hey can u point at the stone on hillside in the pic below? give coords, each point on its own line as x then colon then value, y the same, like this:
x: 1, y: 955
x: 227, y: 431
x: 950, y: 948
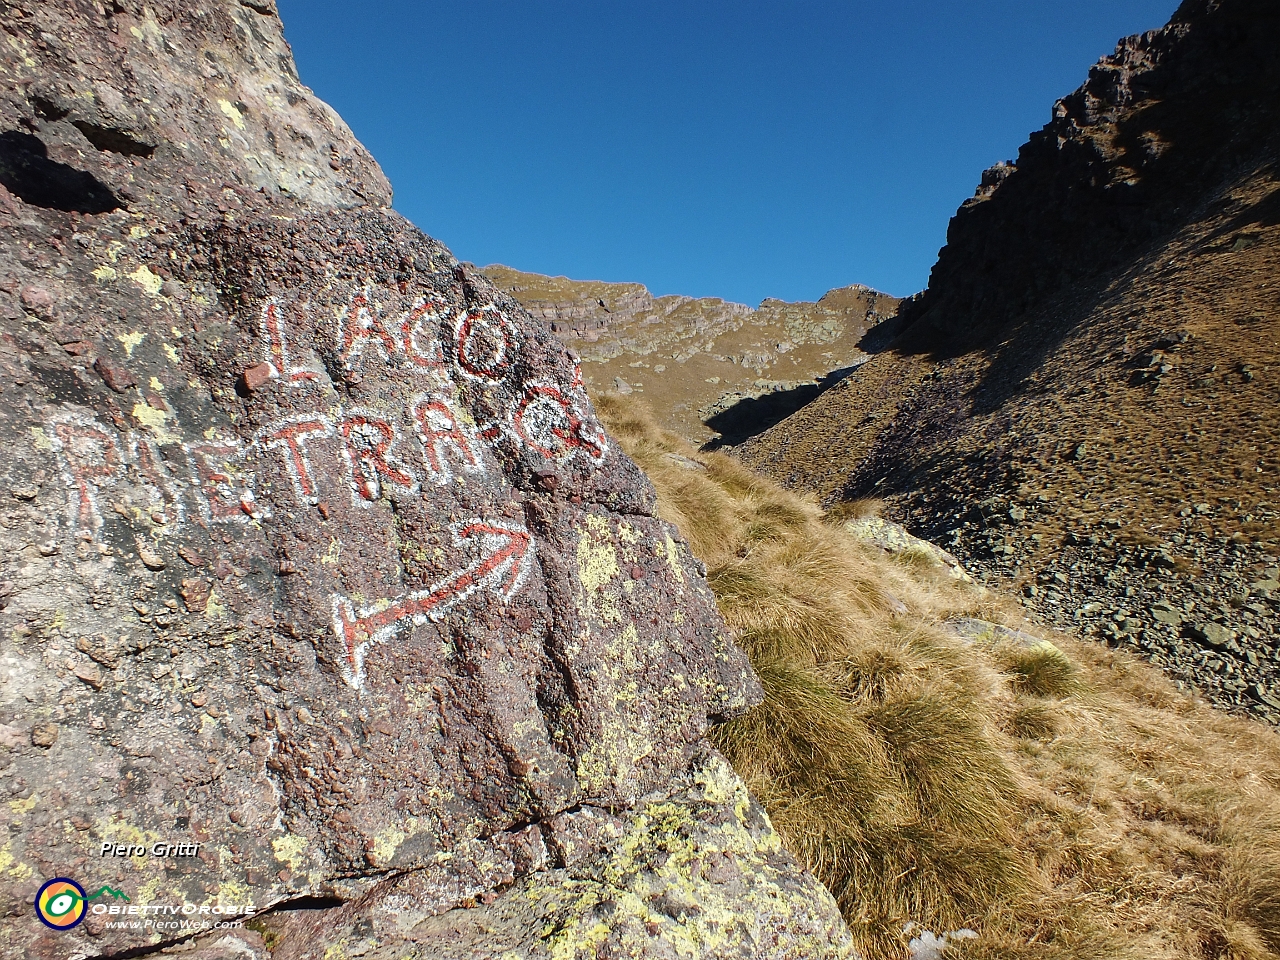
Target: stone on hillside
x: 894, y: 539
x: 256, y: 376
x: 1214, y: 635
x: 895, y: 605
x: 401, y: 632
x: 987, y: 634
x: 1265, y: 695
x: 929, y: 946
x: 686, y: 462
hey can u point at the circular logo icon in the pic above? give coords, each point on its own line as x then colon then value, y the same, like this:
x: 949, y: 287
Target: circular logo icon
x: 60, y: 903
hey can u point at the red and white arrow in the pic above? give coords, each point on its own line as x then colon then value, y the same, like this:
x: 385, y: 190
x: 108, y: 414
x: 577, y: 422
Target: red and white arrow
x: 506, y: 554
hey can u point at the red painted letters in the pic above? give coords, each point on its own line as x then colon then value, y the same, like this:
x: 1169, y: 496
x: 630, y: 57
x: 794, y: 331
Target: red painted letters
x: 369, y: 441
x: 291, y: 436
x: 90, y: 459
x: 440, y: 433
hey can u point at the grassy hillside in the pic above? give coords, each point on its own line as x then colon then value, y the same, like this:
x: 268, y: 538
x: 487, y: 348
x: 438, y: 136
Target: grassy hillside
x: 1084, y: 402
x: 1060, y: 800
x: 709, y: 369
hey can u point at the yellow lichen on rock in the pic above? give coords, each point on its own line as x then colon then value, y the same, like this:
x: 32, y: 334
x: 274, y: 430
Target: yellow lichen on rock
x: 232, y: 113
x: 288, y: 850
x: 700, y: 871
x: 150, y: 282
x: 598, y: 570
x: 616, y: 755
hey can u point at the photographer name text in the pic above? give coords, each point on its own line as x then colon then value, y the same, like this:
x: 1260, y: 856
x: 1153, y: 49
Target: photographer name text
x: 155, y: 850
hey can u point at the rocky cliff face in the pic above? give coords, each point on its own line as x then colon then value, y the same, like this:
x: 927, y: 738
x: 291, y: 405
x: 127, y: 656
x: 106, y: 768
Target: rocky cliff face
x: 714, y: 372
x: 1082, y: 403
x: 1156, y: 130
x: 323, y: 594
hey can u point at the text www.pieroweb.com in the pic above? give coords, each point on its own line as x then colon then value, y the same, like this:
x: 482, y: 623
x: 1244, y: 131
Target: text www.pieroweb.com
x: 170, y: 924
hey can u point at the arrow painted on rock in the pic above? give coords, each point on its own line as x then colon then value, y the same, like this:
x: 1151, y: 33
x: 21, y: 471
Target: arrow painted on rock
x: 506, y: 553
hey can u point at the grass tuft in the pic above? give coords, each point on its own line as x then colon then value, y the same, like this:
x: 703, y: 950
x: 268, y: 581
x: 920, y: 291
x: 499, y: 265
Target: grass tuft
x: 1033, y: 721
x: 1040, y: 671
x: 841, y: 513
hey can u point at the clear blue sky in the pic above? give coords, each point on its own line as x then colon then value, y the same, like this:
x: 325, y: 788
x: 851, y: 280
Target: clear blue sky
x: 731, y: 148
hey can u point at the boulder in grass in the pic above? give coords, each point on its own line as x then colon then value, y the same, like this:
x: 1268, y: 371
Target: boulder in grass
x: 894, y: 539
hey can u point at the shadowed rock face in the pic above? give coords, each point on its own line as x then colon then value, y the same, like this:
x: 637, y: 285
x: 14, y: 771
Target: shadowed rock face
x: 1125, y: 161
x: 314, y: 554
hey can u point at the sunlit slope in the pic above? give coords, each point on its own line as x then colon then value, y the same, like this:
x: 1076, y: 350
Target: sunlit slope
x: 1063, y: 801
x: 1084, y: 403
x: 709, y: 368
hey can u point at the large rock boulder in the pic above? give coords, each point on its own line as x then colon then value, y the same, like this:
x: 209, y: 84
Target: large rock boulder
x: 324, y: 597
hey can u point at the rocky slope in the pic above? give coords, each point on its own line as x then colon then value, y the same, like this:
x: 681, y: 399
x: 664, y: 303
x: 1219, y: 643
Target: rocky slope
x: 1084, y: 401
x: 323, y: 595
x: 713, y: 371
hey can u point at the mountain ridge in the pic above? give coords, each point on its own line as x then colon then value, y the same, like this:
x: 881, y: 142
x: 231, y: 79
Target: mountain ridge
x: 1079, y: 403
x: 713, y: 370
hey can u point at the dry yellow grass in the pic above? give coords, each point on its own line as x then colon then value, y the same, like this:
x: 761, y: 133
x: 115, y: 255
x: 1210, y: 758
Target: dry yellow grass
x: 1071, y: 806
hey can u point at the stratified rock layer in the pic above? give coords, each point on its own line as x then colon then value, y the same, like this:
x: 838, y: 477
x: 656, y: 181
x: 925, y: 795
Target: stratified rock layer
x: 315, y: 554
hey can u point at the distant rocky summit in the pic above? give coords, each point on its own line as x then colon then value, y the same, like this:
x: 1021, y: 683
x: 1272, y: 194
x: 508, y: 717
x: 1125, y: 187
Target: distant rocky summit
x: 713, y: 371
x: 315, y: 558
x: 1083, y: 404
